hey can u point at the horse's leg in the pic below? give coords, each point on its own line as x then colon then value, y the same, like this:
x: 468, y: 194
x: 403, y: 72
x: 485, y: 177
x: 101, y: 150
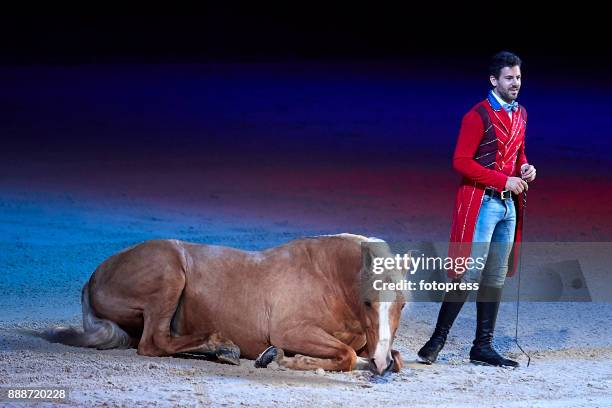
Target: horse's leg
x: 332, y: 354
x: 398, y: 362
x: 157, y: 340
x: 355, y: 341
x: 216, y: 347
x: 358, y: 343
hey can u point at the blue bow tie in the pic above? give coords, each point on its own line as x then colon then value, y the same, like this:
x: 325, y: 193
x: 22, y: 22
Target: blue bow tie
x: 510, y: 107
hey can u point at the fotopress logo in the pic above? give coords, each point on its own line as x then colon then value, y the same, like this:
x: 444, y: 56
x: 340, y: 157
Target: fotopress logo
x: 426, y: 271
x: 405, y: 284
x: 390, y: 274
x: 410, y: 265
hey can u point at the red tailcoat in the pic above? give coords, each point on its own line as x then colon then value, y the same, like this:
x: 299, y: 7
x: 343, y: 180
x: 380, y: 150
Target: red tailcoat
x: 490, y: 148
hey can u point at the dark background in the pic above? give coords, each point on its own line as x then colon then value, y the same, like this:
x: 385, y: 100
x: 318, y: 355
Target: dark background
x: 304, y: 99
x: 574, y: 38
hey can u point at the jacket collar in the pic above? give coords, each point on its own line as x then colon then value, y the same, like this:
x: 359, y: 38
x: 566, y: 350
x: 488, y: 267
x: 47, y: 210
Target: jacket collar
x: 494, y: 102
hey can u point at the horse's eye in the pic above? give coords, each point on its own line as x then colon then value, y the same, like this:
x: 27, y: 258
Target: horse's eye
x: 403, y: 306
x: 367, y: 303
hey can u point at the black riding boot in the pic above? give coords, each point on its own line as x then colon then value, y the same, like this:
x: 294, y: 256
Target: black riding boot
x: 487, y: 306
x: 453, y: 302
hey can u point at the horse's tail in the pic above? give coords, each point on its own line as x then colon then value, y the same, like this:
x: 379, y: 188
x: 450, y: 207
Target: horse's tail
x: 99, y: 333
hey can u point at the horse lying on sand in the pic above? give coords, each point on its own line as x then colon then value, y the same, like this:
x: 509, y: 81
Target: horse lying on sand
x: 303, y: 303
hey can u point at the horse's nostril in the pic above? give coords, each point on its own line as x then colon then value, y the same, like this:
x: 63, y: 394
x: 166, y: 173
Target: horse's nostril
x: 390, y: 366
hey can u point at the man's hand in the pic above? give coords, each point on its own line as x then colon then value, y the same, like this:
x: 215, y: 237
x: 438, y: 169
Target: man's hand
x: 528, y: 172
x: 516, y: 185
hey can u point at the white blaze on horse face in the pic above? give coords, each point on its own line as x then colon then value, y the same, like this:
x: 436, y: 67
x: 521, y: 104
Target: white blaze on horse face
x: 382, y: 353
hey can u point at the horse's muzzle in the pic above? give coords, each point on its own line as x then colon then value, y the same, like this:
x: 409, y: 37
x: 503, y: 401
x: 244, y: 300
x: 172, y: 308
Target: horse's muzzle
x: 375, y: 370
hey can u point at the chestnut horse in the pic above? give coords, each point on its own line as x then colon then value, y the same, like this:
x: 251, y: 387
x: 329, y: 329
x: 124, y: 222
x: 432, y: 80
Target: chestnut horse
x: 311, y: 299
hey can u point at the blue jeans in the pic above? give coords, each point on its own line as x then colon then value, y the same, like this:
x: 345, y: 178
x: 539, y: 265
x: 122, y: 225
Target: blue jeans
x: 493, y: 240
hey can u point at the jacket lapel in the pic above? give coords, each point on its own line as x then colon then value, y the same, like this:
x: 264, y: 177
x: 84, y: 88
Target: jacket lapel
x: 505, y: 120
x: 500, y: 116
x: 515, y: 129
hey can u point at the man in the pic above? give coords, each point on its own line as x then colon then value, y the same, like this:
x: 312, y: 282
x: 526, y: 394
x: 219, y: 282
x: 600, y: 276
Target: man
x: 487, y: 221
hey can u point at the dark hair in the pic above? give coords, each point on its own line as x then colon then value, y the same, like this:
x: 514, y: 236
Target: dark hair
x: 501, y: 60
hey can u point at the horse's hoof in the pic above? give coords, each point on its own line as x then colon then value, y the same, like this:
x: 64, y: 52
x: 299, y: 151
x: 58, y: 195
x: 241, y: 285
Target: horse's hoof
x: 266, y: 357
x: 230, y: 355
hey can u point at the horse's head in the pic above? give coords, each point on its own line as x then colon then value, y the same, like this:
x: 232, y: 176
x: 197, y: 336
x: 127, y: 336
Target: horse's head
x: 381, y: 305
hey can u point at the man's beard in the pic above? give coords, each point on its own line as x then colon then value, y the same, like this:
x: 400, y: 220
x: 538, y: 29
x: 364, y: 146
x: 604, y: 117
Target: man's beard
x: 508, y: 97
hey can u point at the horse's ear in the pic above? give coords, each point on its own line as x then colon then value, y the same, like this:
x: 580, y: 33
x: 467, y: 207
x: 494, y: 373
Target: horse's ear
x: 368, y: 253
x: 366, y: 258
